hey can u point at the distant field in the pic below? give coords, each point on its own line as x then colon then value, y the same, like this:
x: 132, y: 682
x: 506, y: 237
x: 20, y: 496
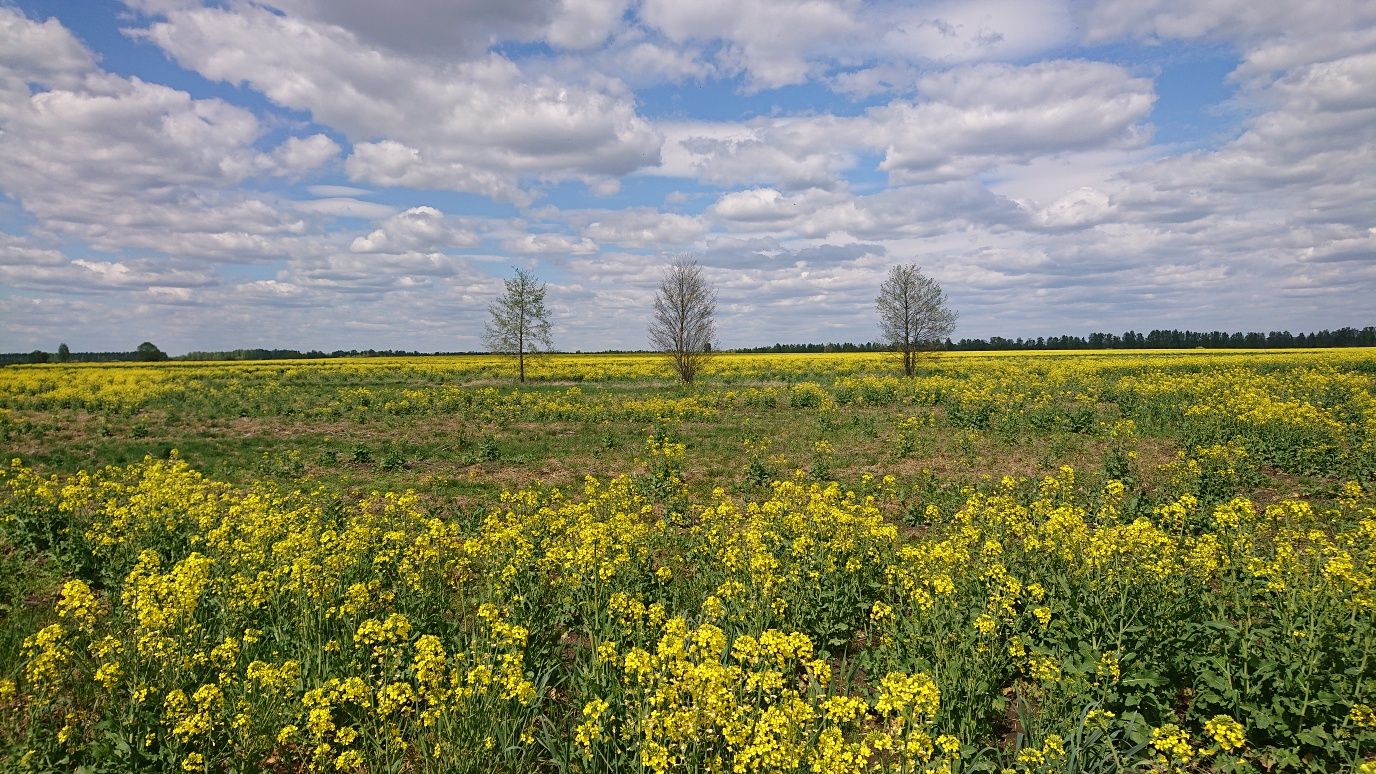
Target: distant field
x: 1055, y: 561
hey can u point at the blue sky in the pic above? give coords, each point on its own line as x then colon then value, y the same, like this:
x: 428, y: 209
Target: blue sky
x: 347, y: 174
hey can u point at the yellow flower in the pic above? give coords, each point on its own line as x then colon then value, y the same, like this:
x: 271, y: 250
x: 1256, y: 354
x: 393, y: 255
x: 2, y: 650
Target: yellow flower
x: 606, y: 653
x: 1172, y: 742
x: 899, y: 692
x: 590, y: 730
x: 1099, y: 718
x: 108, y: 674
x: 1363, y: 716
x: 1226, y: 732
x: 78, y: 604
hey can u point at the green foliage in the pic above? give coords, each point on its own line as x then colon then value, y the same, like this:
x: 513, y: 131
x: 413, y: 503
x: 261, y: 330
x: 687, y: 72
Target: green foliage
x: 1102, y: 563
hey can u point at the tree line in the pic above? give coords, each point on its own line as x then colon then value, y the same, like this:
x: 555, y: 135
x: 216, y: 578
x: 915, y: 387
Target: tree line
x: 147, y: 352
x: 1178, y: 339
x: 1155, y: 339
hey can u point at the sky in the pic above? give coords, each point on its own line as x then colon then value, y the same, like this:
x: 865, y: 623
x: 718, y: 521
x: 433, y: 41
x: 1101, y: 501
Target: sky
x: 347, y: 174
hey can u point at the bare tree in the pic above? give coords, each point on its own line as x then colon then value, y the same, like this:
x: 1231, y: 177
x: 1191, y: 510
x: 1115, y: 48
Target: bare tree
x: 682, y: 327
x: 913, y: 313
x: 520, y: 322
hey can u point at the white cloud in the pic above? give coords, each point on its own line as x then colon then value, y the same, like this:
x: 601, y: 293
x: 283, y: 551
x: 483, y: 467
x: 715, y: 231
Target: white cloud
x: 1237, y: 20
x: 18, y: 251
x: 299, y: 155
x: 127, y: 134
x: 890, y: 214
x: 584, y: 24
x: 345, y: 207
x: 778, y: 43
x: 967, y: 120
x: 42, y: 52
x: 754, y: 205
x: 771, y: 40
x: 643, y: 227
x: 337, y: 190
x: 416, y: 229
x: 375, y: 273
x: 790, y: 152
x: 975, y: 117
x: 474, y: 125
x: 936, y: 132
x: 970, y: 30
x: 1079, y: 208
x: 645, y: 61
x: 550, y: 244
x: 87, y: 276
x: 124, y: 163
x: 443, y: 28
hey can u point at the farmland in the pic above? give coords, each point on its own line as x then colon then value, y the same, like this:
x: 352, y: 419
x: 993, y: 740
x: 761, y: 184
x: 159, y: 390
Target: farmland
x: 1039, y: 562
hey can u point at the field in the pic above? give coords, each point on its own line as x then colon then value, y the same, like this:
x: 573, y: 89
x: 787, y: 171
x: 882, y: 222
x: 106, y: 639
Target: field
x: 1051, y: 562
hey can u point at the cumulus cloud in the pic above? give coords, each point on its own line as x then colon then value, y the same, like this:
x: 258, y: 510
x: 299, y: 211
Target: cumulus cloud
x: 400, y: 158
x: 375, y: 275
x: 755, y: 205
x: 43, y: 52
x: 550, y: 244
x: 641, y: 61
x: 477, y: 124
x: 967, y: 120
x: 863, y: 48
x: 898, y: 212
x: 795, y: 153
x: 769, y: 40
x: 643, y: 227
x: 971, y: 30
x: 419, y: 228
x: 88, y: 276
x: 299, y: 155
x: 18, y: 251
x: 124, y: 163
x: 1237, y: 20
x: 446, y: 29
x: 972, y: 117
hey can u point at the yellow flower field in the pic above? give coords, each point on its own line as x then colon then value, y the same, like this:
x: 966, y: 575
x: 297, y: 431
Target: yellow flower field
x: 1050, y: 562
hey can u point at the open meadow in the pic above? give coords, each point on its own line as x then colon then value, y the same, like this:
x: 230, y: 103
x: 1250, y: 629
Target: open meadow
x: 1045, y: 562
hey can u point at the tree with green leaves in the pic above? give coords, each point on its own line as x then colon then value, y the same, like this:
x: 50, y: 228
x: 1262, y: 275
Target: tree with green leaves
x: 63, y: 353
x: 913, y: 313
x: 149, y: 352
x: 519, y: 321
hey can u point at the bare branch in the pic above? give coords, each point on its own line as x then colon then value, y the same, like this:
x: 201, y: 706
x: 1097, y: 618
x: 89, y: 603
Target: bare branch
x: 682, y: 326
x: 913, y: 314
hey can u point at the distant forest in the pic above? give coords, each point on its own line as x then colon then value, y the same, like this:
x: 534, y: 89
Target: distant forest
x: 1156, y: 339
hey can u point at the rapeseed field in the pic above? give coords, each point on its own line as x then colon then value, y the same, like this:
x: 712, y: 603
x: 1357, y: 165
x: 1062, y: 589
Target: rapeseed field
x: 1051, y: 562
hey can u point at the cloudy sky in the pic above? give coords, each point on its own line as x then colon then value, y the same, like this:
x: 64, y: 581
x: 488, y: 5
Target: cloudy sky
x: 353, y: 174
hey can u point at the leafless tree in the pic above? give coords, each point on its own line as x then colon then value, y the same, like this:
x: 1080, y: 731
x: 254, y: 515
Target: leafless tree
x: 913, y: 313
x: 520, y: 322
x: 682, y: 327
